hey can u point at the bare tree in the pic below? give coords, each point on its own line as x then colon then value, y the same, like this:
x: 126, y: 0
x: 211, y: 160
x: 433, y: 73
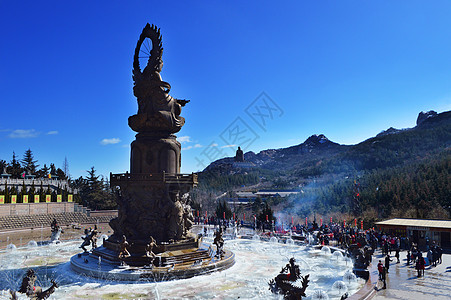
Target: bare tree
x: 66, y: 167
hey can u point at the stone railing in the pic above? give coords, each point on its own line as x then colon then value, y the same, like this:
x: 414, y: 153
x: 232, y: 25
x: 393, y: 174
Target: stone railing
x: 159, y: 177
x: 54, y: 184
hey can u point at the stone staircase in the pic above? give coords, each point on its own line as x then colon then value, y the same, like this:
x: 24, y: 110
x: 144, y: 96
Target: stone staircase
x: 44, y: 220
x: 186, y: 258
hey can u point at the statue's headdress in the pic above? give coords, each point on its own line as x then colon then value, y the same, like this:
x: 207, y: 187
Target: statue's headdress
x: 142, y: 51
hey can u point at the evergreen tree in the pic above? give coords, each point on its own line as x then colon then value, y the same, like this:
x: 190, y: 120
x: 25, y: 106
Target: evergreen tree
x: 43, y: 172
x: 14, y: 167
x: 28, y: 162
x: 222, y: 208
x: 52, y: 169
x: 61, y: 175
x: 267, y: 212
x: 94, y: 191
x: 3, y: 165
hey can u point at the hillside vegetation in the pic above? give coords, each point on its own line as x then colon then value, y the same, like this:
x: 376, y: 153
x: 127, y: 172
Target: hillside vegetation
x: 398, y: 173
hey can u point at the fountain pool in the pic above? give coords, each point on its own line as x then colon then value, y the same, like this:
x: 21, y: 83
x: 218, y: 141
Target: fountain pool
x: 256, y: 263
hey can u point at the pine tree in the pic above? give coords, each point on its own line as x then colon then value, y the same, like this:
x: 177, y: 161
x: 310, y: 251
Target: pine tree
x: 43, y: 172
x: 60, y: 173
x: 52, y: 169
x: 14, y: 167
x: 28, y: 162
x: 3, y: 165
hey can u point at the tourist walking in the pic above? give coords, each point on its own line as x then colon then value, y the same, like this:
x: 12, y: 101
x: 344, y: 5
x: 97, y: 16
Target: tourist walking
x: 408, y: 257
x: 387, y: 262
x: 380, y: 268
x: 440, y: 252
x: 384, y: 278
x: 420, y: 265
x: 397, y: 255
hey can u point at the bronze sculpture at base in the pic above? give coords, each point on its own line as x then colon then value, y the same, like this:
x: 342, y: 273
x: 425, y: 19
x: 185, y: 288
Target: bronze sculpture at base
x: 30, y: 290
x: 283, y: 283
x: 90, y: 238
x: 219, y: 242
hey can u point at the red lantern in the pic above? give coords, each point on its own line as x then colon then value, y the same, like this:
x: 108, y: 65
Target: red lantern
x: 266, y: 217
x: 224, y: 215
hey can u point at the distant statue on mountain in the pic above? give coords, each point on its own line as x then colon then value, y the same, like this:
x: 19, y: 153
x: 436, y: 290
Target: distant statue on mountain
x: 239, y: 156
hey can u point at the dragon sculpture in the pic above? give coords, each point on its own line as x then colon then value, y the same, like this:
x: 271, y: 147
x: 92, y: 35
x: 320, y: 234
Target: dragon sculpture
x: 284, y: 282
x: 30, y: 290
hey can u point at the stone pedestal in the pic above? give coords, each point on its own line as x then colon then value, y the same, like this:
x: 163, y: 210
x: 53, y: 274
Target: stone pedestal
x: 153, y: 154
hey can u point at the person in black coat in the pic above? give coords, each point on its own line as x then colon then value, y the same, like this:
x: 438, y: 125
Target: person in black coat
x: 387, y: 262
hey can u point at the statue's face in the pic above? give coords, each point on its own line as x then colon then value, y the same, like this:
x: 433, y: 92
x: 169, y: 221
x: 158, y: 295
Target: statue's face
x: 159, y: 66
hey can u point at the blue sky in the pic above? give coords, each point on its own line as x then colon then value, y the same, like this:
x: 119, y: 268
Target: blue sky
x: 347, y: 69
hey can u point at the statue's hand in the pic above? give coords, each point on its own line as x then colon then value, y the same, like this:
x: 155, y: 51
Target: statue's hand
x: 182, y: 102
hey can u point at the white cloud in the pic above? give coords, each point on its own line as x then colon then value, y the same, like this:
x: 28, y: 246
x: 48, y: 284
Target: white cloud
x: 213, y: 145
x: 23, y: 133
x: 184, y: 139
x: 228, y: 146
x: 110, y: 141
x: 192, y: 147
x: 52, y: 132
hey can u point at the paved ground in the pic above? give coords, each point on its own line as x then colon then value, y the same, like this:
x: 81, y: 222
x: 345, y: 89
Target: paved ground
x: 20, y: 237
x: 403, y: 283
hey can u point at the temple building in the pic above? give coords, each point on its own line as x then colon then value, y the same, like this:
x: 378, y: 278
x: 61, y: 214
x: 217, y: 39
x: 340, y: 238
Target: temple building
x: 420, y: 231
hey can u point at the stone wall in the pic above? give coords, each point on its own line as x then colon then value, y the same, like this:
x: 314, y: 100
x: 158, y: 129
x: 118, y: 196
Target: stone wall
x: 21, y: 209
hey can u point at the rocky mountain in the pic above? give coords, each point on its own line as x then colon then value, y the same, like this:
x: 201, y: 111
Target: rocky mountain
x: 399, y: 173
x: 317, y: 155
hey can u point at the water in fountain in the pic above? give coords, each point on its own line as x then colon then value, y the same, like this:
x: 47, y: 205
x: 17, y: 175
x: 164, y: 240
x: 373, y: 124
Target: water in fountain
x: 256, y: 263
x: 310, y: 239
x: 337, y: 255
x: 256, y: 237
x: 325, y: 250
x: 340, y: 287
x: 319, y: 295
x: 11, y: 247
x: 347, y: 260
x: 273, y: 240
x: 32, y: 244
x: 349, y: 277
x: 289, y: 241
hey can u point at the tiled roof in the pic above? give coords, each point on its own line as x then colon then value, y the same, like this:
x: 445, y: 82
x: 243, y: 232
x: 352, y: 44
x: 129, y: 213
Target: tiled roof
x: 417, y: 223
